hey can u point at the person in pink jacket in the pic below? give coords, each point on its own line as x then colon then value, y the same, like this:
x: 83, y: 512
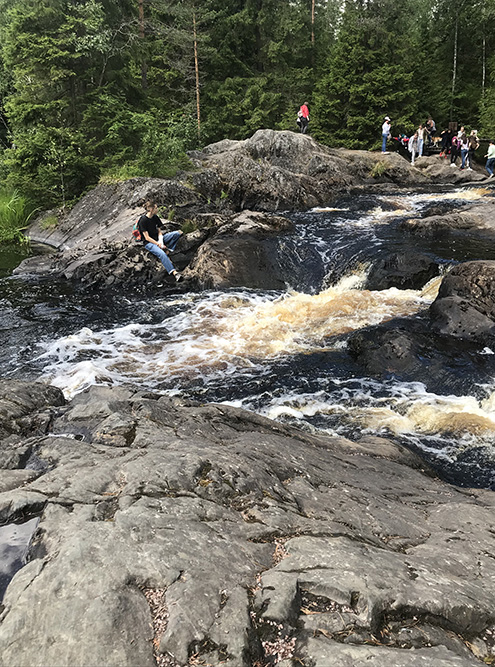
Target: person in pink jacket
x: 303, y: 118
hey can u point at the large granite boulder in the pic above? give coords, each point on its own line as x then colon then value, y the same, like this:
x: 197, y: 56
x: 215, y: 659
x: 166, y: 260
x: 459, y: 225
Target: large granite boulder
x: 242, y: 253
x: 465, y: 305
x: 284, y: 170
x: 175, y: 534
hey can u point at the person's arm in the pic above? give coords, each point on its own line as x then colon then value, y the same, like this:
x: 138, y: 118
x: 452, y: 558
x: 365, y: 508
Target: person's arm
x: 150, y: 240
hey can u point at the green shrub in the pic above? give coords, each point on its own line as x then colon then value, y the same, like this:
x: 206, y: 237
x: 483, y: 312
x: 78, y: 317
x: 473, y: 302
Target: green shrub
x: 378, y: 169
x: 15, y: 213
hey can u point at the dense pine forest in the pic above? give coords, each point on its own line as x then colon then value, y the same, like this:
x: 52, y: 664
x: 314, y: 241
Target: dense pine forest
x: 110, y: 89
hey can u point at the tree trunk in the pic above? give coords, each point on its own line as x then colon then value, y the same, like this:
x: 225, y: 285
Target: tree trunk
x: 196, y: 69
x: 483, y: 56
x: 454, y: 66
x: 144, y: 66
x: 312, y: 21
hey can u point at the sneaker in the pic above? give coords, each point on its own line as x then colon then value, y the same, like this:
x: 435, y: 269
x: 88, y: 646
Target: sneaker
x: 453, y: 164
x: 491, y: 176
x: 178, y: 277
x: 469, y: 169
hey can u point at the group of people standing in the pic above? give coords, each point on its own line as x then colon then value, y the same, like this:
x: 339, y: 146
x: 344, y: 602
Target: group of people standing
x: 424, y: 136
x: 457, y: 145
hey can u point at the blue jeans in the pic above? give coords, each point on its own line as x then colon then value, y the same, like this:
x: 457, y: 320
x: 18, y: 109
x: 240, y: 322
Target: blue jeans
x: 490, y: 165
x: 464, y: 154
x: 384, y: 142
x: 169, y: 240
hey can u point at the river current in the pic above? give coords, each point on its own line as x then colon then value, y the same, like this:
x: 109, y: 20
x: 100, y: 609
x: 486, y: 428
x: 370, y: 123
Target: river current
x: 280, y: 354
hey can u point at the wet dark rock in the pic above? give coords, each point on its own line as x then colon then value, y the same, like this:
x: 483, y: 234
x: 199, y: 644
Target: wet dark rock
x: 402, y: 270
x: 465, y: 305
x: 477, y: 219
x: 242, y: 254
x: 21, y: 405
x: 410, y: 351
x: 175, y: 531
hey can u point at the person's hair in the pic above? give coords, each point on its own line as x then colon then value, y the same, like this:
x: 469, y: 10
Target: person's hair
x: 149, y: 204
x: 463, y: 137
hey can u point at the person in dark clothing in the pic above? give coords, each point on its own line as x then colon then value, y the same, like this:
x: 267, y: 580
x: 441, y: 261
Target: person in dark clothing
x: 455, y: 150
x: 446, y: 142
x: 473, y: 145
x: 149, y: 225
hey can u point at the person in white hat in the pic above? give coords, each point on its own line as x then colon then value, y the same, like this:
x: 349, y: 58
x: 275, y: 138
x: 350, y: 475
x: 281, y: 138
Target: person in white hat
x: 385, y: 134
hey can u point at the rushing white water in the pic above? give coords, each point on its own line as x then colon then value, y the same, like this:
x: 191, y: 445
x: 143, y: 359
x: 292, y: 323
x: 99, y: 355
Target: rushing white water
x: 220, y: 333
x: 284, y: 354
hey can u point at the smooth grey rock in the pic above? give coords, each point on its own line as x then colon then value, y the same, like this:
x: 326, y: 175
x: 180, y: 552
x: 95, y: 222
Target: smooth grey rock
x: 259, y: 539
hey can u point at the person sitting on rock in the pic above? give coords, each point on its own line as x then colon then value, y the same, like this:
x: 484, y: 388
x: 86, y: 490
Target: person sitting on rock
x: 149, y: 225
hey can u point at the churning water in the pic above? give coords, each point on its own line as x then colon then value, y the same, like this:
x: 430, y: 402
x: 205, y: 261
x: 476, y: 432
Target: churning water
x: 281, y: 354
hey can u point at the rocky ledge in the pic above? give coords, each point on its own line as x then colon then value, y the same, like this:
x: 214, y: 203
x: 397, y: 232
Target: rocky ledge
x: 174, y: 534
x: 265, y: 174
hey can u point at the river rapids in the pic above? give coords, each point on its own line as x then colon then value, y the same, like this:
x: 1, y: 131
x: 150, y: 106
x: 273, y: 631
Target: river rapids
x: 280, y: 354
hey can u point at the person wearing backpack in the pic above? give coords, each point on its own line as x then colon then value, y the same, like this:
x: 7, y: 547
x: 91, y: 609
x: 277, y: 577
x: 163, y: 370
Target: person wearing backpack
x: 149, y: 225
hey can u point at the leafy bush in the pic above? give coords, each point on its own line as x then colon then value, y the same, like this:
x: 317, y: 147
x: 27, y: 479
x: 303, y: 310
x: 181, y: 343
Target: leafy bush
x: 163, y: 146
x: 378, y: 169
x: 15, y: 213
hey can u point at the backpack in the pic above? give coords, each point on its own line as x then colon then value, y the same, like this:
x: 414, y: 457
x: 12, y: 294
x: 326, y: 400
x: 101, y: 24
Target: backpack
x: 136, y: 231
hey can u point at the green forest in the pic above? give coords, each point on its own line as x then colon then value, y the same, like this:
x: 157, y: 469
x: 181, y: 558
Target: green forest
x: 97, y: 90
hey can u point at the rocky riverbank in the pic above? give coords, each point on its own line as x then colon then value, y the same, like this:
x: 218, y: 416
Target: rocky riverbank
x: 177, y: 534
x: 170, y: 533
x: 226, y: 207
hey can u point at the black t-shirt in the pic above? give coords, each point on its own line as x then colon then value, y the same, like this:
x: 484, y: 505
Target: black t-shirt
x: 149, y: 225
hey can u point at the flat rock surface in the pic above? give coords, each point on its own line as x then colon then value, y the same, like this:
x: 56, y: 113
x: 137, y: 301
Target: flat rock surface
x: 176, y: 534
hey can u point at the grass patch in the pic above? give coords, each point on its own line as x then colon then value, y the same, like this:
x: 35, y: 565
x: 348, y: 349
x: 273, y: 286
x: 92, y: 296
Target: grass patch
x: 15, y: 214
x: 378, y: 169
x: 137, y: 169
x: 50, y: 222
